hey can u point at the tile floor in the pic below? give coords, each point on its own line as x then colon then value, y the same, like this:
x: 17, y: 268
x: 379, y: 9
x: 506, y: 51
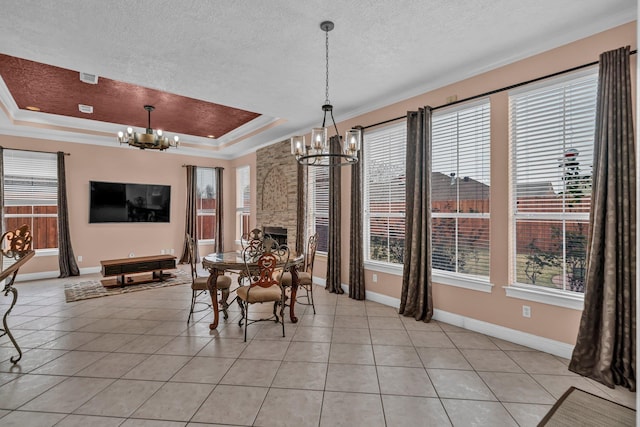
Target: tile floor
x: 131, y: 360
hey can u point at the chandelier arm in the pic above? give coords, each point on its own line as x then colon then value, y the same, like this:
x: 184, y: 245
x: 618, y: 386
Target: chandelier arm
x: 334, y: 124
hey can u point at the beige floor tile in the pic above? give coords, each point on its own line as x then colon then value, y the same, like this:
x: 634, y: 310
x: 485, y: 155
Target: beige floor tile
x: 174, y: 328
x: 354, y: 378
x: 23, y: 389
x: 471, y: 340
x: 318, y: 320
x: 357, y: 322
x: 443, y: 358
x: 557, y: 385
x: 379, y: 310
x: 351, y: 409
x: 184, y: 346
x: 265, y: 350
x: 405, y: 381
x: 385, y: 322
x: 37, y: 338
x: 31, y: 419
x: 527, y: 414
x: 411, y: 324
x: 231, y: 405
x: 394, y: 355
x: 133, y: 422
x: 67, y: 396
x: 475, y: 413
x: 278, y: 410
x: 175, y: 402
x: 351, y: 336
x: 88, y: 420
x: 430, y: 339
x: 157, y: 367
x: 506, y: 345
x: 313, y: 334
x: 146, y: 344
x: 408, y: 411
x: 350, y: 310
x: 301, y: 375
x: 301, y: 351
x: 517, y: 388
x: 390, y: 337
x: 250, y: 372
x: 456, y: 384
x: 209, y: 370
x: 120, y: 399
x: 536, y: 362
x: 356, y: 354
x: 72, y: 324
x: 113, y: 365
x: 273, y: 331
x: 108, y: 342
x: 70, y: 363
x: 222, y: 347
x: 6, y: 377
x: 490, y: 360
x: 31, y: 359
x: 71, y: 341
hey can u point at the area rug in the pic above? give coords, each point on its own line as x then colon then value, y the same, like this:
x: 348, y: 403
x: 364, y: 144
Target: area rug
x: 579, y: 408
x: 94, y: 289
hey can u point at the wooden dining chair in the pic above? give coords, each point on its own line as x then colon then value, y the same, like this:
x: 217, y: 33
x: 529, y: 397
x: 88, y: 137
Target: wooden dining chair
x: 261, y: 263
x: 305, y: 275
x: 199, y: 283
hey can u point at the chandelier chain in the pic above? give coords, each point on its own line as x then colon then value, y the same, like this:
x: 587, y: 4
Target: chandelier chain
x: 326, y: 89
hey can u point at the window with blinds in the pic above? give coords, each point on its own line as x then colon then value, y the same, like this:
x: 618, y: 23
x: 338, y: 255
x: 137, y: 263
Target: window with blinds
x: 206, y: 203
x: 243, y: 200
x: 384, y: 189
x: 31, y: 195
x: 319, y: 197
x: 460, y: 175
x: 552, y: 136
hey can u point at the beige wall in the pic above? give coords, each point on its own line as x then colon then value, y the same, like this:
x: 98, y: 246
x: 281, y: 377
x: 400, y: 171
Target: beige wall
x: 547, y: 321
x: 95, y: 242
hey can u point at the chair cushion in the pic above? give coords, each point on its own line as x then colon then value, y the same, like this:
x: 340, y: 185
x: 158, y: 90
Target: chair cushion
x: 304, y: 278
x: 259, y: 294
x: 200, y: 284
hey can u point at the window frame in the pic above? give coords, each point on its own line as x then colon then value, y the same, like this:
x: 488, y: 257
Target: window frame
x: 242, y: 173
x: 202, y: 213
x: 527, y: 291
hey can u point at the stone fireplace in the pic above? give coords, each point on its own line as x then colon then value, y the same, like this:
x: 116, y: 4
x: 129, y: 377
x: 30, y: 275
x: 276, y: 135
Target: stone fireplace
x: 277, y: 187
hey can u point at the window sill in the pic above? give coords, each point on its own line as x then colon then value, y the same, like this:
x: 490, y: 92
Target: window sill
x: 545, y: 296
x: 462, y: 281
x: 395, y: 269
x: 46, y: 252
x: 206, y: 242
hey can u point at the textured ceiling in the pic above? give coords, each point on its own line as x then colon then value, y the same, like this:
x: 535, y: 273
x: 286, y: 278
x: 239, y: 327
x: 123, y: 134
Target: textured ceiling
x: 268, y: 57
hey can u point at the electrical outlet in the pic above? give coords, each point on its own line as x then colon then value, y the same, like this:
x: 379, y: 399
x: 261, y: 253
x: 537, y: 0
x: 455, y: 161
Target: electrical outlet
x: 131, y: 254
x: 526, y: 311
x: 79, y: 258
x: 375, y: 278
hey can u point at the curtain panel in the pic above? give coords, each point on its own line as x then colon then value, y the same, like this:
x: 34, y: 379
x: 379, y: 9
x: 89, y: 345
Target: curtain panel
x: 416, y: 300
x: 66, y: 258
x: 219, y: 234
x: 301, y: 203
x: 190, y: 227
x: 334, y: 253
x: 356, y: 255
x: 3, y: 226
x: 605, y: 349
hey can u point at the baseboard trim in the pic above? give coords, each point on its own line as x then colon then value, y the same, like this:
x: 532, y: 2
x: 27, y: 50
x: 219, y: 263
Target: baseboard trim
x: 51, y: 274
x: 526, y: 339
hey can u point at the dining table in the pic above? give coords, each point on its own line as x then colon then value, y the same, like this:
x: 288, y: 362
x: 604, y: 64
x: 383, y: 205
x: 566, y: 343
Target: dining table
x: 220, y: 263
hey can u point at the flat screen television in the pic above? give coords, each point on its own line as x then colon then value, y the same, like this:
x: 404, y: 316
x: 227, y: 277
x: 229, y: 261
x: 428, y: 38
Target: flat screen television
x: 122, y: 202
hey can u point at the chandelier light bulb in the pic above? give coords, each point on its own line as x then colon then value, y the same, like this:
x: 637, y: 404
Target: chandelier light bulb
x: 130, y: 131
x: 120, y: 134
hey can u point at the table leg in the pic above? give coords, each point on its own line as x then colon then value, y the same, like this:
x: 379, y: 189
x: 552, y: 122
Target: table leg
x: 294, y: 291
x: 212, y: 284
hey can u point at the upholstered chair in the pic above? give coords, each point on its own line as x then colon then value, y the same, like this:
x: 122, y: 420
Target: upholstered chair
x: 305, y: 276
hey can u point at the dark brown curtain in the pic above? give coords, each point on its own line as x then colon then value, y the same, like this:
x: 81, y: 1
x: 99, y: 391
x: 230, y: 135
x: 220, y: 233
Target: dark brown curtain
x: 3, y: 227
x: 301, y: 203
x: 66, y: 258
x: 333, y: 252
x: 416, y: 300
x: 356, y: 256
x: 191, y: 223
x: 219, y: 237
x: 605, y: 349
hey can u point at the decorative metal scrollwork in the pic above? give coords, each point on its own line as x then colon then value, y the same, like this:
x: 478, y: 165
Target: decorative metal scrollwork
x: 16, y: 243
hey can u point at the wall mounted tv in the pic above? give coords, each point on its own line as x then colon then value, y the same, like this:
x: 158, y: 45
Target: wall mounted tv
x: 120, y: 202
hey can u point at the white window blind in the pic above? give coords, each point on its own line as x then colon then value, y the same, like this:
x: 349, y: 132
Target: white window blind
x: 319, y: 192
x: 460, y: 183
x: 384, y: 167
x: 552, y: 134
x: 243, y: 200
x: 31, y: 195
x: 206, y: 203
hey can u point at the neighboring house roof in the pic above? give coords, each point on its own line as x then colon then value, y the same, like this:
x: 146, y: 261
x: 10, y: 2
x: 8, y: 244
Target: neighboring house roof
x: 535, y: 189
x: 443, y: 187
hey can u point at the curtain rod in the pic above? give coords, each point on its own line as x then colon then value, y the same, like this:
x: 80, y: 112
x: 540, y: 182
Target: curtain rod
x: 502, y: 89
x: 34, y: 151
